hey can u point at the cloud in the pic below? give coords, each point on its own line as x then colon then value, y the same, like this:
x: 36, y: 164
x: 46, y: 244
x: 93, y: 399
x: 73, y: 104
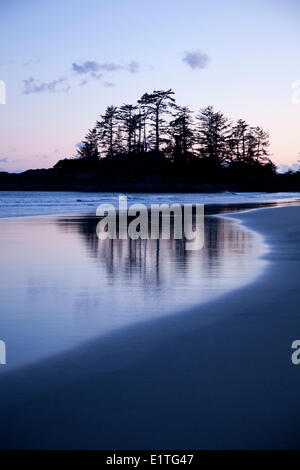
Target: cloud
x: 97, y: 76
x: 133, y: 67
x: 87, y: 67
x: 196, y: 59
x: 92, y: 68
x: 110, y: 67
x: 4, y: 160
x: 108, y: 84
x: 33, y: 85
x: 83, y: 82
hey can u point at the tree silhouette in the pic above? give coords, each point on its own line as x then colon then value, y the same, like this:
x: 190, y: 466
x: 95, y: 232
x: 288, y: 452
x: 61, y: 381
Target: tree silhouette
x: 157, y: 104
x: 212, y: 135
x: 261, y: 145
x: 107, y: 130
x: 127, y: 118
x: 89, y: 148
x: 157, y: 126
x: 239, y: 139
x: 181, y: 130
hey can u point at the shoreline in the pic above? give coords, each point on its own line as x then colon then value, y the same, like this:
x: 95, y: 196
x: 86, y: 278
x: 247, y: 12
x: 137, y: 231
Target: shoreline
x: 227, y: 203
x: 235, y: 384
x: 230, y: 244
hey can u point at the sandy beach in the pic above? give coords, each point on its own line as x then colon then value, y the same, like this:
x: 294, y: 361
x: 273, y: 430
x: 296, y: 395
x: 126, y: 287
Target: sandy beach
x: 178, y: 382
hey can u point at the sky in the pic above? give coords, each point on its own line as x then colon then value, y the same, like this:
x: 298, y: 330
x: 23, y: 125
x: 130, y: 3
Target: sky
x: 64, y: 61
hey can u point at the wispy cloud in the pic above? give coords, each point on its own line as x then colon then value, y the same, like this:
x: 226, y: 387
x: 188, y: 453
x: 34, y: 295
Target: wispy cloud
x: 196, y: 59
x: 87, y: 67
x: 87, y: 70
x: 91, y: 67
x: 33, y: 85
x: 83, y: 82
x: 4, y: 160
x: 110, y: 67
x: 133, y: 66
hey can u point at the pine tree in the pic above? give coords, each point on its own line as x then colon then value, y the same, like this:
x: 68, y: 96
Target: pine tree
x: 157, y: 104
x: 213, y: 134
x: 128, y: 121
x: 181, y: 131
x: 89, y: 149
x: 107, y: 129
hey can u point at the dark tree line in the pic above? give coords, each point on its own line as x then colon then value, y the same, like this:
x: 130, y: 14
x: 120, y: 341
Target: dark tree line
x: 155, y: 145
x: 157, y: 126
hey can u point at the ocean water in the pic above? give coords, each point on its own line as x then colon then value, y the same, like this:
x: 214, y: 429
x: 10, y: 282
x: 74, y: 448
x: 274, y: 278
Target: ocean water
x: 30, y: 203
x: 61, y: 286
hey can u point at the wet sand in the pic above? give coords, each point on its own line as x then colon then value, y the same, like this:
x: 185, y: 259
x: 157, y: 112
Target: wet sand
x: 176, y: 382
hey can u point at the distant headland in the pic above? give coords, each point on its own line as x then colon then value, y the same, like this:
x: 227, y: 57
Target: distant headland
x: 156, y: 145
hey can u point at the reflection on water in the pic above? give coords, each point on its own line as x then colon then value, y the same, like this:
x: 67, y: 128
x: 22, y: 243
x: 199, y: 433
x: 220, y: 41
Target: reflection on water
x: 61, y: 285
x: 166, y: 264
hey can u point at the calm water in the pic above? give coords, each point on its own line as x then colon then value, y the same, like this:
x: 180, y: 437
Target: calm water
x: 26, y: 203
x: 60, y: 285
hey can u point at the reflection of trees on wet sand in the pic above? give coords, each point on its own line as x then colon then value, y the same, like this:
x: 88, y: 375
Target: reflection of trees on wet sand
x: 165, y: 262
